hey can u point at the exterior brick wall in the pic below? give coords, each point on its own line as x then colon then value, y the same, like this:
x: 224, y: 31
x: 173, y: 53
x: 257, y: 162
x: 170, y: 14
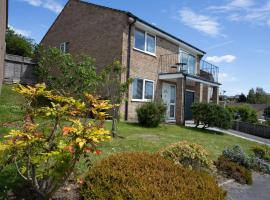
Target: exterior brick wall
x: 91, y: 30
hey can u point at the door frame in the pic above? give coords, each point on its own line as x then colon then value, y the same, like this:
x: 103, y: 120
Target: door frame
x: 168, y: 118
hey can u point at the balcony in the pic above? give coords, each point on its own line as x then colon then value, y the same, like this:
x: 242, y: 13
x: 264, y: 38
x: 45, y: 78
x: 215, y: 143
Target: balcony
x: 187, y: 64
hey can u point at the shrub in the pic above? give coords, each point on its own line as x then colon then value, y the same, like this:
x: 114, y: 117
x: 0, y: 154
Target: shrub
x: 190, y: 155
x: 236, y: 154
x: 259, y: 165
x: 234, y: 170
x: 145, y: 176
x: 45, y: 155
x: 243, y: 112
x: 262, y: 151
x: 211, y: 115
x: 151, y: 114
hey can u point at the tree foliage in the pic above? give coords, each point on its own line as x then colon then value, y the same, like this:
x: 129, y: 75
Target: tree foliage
x: 258, y: 96
x: 18, y: 45
x: 46, y: 151
x: 65, y: 73
x: 245, y: 113
x: 242, y: 98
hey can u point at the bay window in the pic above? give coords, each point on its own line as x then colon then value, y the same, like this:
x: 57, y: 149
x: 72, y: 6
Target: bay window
x: 144, y: 41
x: 142, y: 89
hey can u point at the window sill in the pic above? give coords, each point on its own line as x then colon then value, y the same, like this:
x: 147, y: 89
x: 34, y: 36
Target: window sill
x: 145, y: 52
x: 141, y: 100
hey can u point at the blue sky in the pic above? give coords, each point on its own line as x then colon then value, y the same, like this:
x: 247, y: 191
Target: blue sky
x: 234, y: 33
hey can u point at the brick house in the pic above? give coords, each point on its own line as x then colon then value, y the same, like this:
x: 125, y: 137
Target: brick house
x: 163, y: 66
x: 3, y: 25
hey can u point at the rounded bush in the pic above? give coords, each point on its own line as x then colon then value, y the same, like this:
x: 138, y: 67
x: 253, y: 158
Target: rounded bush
x: 151, y: 114
x: 145, y: 176
x: 190, y: 155
x: 211, y: 115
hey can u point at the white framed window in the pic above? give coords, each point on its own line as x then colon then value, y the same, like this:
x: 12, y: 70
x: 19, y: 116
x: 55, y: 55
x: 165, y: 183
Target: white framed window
x: 145, y: 42
x: 142, y: 90
x: 64, y: 47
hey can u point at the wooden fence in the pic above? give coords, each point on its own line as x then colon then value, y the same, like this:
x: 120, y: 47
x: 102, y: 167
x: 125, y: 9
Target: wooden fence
x: 18, y: 69
x: 253, y: 129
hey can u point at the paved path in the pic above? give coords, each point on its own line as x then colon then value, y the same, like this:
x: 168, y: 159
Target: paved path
x: 238, y: 134
x: 259, y: 190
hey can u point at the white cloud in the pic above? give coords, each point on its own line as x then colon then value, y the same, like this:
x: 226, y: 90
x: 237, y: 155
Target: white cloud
x: 199, y: 22
x: 250, y: 11
x: 51, y: 5
x: 215, y: 46
x: 22, y: 32
x: 268, y: 23
x: 219, y: 59
x: 224, y: 77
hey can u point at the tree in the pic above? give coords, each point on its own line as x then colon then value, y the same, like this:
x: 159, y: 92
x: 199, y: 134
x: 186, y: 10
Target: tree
x: 18, y: 45
x: 115, y: 89
x: 251, y: 96
x: 242, y: 98
x: 65, y: 73
x: 45, y: 154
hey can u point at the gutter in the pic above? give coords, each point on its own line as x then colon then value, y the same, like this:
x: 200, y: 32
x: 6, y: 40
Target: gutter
x: 134, y: 19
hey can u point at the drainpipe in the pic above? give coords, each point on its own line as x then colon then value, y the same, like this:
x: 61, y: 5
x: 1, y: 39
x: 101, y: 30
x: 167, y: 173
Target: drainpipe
x: 184, y: 110
x: 132, y: 20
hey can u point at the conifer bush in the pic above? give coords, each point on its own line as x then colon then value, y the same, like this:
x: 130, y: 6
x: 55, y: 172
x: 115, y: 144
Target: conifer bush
x: 147, y: 176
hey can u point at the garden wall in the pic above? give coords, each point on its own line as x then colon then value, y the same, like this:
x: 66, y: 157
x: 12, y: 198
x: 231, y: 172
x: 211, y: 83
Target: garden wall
x: 253, y: 129
x: 18, y: 69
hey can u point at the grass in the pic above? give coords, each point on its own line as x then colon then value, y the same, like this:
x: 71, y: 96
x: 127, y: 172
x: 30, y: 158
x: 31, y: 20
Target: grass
x: 135, y: 138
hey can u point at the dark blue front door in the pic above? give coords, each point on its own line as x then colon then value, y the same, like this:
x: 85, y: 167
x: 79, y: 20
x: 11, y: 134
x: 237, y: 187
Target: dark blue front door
x: 188, y: 102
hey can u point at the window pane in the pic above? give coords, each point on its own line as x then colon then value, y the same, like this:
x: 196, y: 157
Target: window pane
x: 148, y: 92
x: 171, y: 111
x: 151, y: 44
x: 137, y: 88
x: 172, y: 100
x: 191, y: 65
x: 184, y: 61
x: 139, y: 40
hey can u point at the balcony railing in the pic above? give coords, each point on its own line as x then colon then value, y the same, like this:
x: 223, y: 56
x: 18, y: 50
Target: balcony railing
x: 186, y: 63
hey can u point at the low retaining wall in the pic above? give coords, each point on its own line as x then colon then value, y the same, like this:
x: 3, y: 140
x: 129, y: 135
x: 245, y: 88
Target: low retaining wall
x: 18, y: 69
x: 253, y: 129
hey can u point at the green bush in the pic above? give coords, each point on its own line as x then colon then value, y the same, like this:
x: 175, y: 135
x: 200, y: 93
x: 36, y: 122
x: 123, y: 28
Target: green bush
x: 151, y: 114
x: 190, y: 155
x: 211, y: 115
x: 243, y: 112
x: 237, y: 154
x: 262, y: 151
x: 234, y: 170
x: 145, y: 176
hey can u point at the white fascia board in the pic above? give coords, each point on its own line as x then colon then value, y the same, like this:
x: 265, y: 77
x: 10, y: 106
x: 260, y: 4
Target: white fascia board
x: 170, y: 76
x: 149, y: 29
x: 202, y: 81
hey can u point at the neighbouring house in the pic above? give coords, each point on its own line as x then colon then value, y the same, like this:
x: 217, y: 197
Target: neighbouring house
x: 163, y: 67
x: 3, y: 26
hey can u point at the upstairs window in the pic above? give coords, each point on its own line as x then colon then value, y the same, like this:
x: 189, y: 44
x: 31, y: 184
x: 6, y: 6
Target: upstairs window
x: 142, y: 89
x: 64, y: 47
x: 145, y: 41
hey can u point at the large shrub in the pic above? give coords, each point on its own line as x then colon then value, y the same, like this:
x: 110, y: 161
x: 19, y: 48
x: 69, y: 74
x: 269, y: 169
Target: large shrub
x: 190, y: 155
x: 151, y: 114
x: 145, y: 176
x: 234, y: 170
x: 211, y: 115
x: 52, y: 139
x: 262, y: 151
x: 245, y: 113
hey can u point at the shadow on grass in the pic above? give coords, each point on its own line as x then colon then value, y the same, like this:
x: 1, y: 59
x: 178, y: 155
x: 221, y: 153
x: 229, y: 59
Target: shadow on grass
x: 201, y: 130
